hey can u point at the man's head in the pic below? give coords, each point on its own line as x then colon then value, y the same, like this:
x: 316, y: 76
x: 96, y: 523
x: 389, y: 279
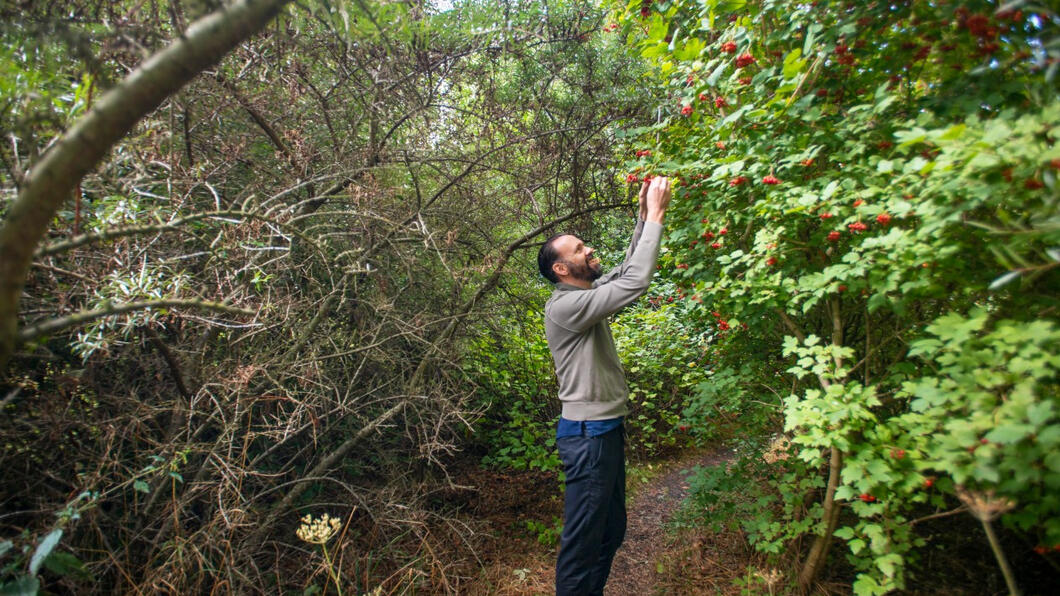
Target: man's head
x: 565, y: 258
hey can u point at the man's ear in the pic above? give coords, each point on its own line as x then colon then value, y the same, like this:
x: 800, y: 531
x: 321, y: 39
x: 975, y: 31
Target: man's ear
x: 560, y: 269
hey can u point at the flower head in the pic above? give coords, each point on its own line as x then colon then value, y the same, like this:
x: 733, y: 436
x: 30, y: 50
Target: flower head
x: 318, y: 531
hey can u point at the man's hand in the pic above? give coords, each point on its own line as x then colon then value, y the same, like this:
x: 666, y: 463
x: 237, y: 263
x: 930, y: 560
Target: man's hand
x: 656, y: 198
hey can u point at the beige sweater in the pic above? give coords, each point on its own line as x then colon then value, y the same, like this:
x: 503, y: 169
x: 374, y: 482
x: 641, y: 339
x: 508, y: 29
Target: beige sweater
x: 592, y: 384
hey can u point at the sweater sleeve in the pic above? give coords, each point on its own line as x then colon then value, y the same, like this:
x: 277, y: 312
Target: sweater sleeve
x: 580, y: 310
x: 630, y: 251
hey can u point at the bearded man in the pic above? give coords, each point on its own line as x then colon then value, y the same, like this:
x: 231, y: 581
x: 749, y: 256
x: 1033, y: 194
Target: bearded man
x: 592, y: 388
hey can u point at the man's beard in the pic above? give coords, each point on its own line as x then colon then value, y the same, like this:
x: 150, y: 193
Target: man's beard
x: 585, y: 271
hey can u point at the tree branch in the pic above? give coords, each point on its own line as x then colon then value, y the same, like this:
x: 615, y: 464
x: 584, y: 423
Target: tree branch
x: 80, y: 318
x: 87, y: 142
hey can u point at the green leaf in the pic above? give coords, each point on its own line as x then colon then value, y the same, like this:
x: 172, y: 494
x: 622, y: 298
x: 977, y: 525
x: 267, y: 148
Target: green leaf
x: 712, y: 80
x: 1010, y: 433
x: 141, y: 486
x: 1004, y: 279
x: 889, y: 563
x: 44, y: 548
x: 792, y: 64
x: 691, y: 49
x: 66, y: 564
x: 846, y: 533
x: 811, y: 37
x: 27, y: 585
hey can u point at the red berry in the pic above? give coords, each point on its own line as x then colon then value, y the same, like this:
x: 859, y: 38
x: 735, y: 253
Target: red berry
x: 866, y: 497
x: 703, y: 97
x: 1055, y: 163
x: 825, y: 215
x: 770, y: 179
x: 716, y: 245
x: 729, y: 47
x: 821, y: 93
x: 720, y: 144
x: 708, y: 235
x: 723, y: 231
x: 719, y: 102
x: 1041, y: 549
x: 737, y: 181
x: 841, y: 49
x: 745, y: 80
x: 833, y: 236
x: 842, y: 287
x: 1032, y: 184
x: 929, y: 482
x: 883, y: 145
x: 883, y: 218
x: 859, y: 203
x: 807, y: 162
x: 744, y: 59
x: 723, y: 325
x: 898, y: 454
x: 771, y: 261
x: 857, y: 227
x: 670, y: 299
x: 686, y: 110
x: 631, y: 178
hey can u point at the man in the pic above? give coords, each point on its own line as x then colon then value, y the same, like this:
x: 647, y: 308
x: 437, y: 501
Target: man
x: 593, y: 389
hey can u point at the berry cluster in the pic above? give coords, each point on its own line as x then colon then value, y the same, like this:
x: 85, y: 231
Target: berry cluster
x: 745, y: 59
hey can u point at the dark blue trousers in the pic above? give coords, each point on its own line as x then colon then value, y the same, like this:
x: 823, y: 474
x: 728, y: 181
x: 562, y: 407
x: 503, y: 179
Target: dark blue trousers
x: 594, y: 509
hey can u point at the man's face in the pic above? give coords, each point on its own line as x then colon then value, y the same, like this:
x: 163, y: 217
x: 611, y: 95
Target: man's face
x: 578, y: 258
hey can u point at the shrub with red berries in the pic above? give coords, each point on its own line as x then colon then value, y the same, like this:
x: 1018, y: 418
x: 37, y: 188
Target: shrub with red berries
x: 917, y: 162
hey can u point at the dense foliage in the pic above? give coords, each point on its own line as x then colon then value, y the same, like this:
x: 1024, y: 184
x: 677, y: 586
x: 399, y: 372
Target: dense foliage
x: 258, y: 307
x: 256, y: 338
x: 875, y: 183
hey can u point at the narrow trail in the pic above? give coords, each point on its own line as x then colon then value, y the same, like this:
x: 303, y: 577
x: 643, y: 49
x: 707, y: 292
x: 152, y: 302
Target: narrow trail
x: 654, y: 504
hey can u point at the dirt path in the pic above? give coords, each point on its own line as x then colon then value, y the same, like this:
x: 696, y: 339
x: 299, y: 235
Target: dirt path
x: 634, y: 570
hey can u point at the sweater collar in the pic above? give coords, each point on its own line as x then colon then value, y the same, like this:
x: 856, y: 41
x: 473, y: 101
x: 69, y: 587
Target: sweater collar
x: 560, y: 286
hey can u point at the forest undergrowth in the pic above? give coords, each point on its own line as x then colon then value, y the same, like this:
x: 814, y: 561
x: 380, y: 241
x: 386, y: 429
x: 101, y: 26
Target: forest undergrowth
x: 270, y: 320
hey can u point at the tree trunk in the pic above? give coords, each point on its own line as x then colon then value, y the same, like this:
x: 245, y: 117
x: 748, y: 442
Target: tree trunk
x: 52, y: 179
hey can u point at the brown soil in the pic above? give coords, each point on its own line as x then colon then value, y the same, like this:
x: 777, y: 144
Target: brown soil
x: 515, y: 563
x: 639, y: 561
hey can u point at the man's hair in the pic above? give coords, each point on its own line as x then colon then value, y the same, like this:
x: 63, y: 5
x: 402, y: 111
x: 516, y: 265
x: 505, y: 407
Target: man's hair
x: 546, y: 256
